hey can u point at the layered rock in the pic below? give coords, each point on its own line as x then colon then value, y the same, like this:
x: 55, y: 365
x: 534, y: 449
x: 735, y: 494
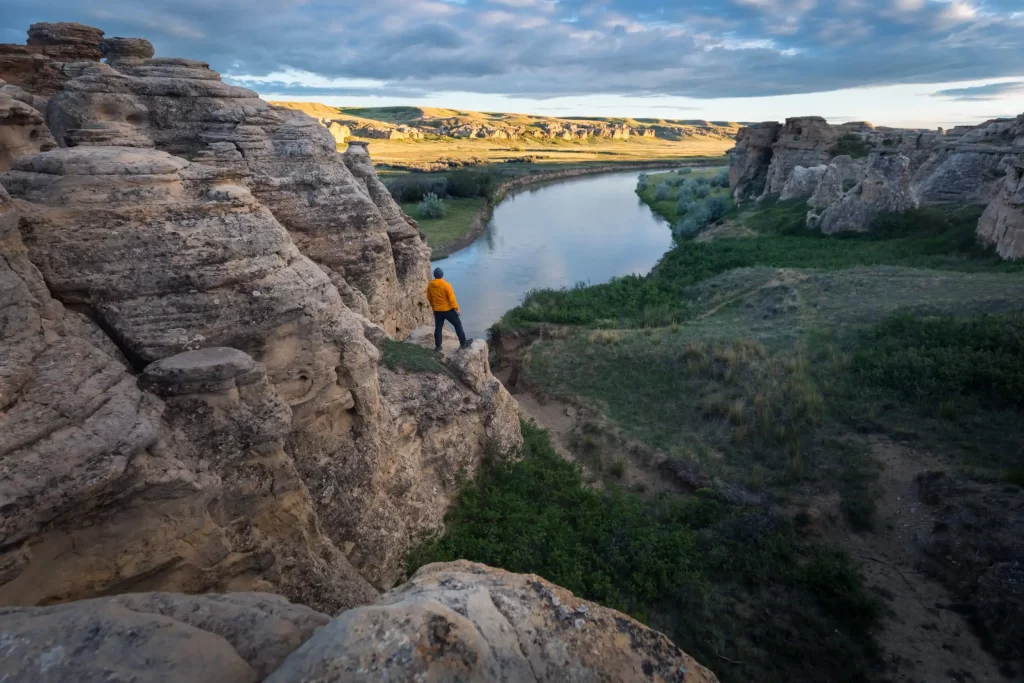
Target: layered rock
x: 467, y: 622
x: 173, y: 256
x: 22, y: 130
x: 39, y: 66
x: 1002, y: 224
x: 884, y: 187
x: 802, y: 182
x: 805, y: 141
x: 750, y: 158
x: 289, y: 161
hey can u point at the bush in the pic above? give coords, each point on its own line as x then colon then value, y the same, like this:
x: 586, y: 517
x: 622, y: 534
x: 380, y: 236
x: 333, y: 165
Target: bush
x: 661, y: 192
x: 686, y: 188
x: 703, y: 180
x: 701, y: 190
x: 468, y: 184
x: 414, y: 187
x: 853, y: 146
x: 432, y: 206
x: 683, y: 171
x: 720, y: 179
x: 697, y: 218
x: 717, y: 207
x: 642, y: 183
x: 685, y: 204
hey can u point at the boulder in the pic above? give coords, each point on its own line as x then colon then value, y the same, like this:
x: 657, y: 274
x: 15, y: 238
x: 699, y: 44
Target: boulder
x: 802, y: 182
x: 467, y: 622
x: 1002, y: 224
x: 22, y: 131
x: 126, y: 51
x: 842, y: 174
x: 884, y: 187
x: 241, y: 637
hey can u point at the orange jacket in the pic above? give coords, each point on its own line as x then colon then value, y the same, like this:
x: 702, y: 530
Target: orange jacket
x: 441, y: 296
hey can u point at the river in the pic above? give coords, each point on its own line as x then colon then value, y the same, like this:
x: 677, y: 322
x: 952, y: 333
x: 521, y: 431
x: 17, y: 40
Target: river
x: 587, y: 229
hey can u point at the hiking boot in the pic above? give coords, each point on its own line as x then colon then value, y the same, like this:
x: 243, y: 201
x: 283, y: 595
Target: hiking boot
x: 466, y: 344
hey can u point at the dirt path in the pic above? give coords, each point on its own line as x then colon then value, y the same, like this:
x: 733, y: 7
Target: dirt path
x: 925, y: 640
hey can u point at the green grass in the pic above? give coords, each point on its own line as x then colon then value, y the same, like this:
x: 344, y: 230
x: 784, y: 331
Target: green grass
x: 696, y: 568
x: 409, y: 357
x: 456, y: 224
x: 853, y: 146
x: 926, y: 238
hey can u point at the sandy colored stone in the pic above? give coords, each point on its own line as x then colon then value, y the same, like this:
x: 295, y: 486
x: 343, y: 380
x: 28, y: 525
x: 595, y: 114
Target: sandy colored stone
x: 22, y: 131
x: 468, y: 622
x: 802, y: 182
x: 885, y: 187
x: 1002, y: 224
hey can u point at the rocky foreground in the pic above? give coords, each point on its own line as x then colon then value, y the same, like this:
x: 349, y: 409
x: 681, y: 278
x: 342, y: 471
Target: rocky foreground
x: 197, y: 293
x: 853, y: 173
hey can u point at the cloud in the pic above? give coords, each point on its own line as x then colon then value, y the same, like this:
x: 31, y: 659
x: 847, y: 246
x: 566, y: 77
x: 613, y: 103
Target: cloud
x: 547, y: 48
x: 983, y: 93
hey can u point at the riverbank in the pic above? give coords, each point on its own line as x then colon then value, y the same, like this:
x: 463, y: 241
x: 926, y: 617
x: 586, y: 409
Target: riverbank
x: 460, y: 233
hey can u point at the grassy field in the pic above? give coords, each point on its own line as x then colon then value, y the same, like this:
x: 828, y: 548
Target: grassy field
x: 455, y: 224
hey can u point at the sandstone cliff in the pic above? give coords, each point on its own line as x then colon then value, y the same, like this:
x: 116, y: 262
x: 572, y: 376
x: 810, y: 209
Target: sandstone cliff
x: 451, y: 622
x: 260, y: 444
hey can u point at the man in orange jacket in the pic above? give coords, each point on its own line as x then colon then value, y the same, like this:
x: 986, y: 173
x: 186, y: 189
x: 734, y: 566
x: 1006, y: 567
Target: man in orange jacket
x: 442, y: 300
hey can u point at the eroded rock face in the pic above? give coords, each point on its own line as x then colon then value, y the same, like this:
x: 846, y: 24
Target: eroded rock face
x: 39, y: 66
x: 22, y: 131
x: 240, y: 637
x: 287, y: 159
x: 884, y: 187
x: 805, y: 141
x: 467, y: 622
x: 750, y: 158
x: 802, y: 182
x: 1002, y: 224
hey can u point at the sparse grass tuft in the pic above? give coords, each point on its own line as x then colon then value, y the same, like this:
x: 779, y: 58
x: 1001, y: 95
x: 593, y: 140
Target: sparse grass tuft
x: 409, y: 357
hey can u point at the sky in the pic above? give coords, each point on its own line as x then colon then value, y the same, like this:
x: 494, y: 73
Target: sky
x: 920, y: 63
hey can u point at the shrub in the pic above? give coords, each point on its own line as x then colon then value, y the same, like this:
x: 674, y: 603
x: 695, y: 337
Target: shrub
x: 414, y: 187
x: 469, y: 184
x: 642, y: 183
x: 701, y: 190
x: 432, y: 206
x: 717, y: 207
x: 720, y: 179
x: 661, y: 192
x: 703, y: 180
x: 683, y: 171
x: 696, y: 220
x: 853, y: 146
x: 686, y: 188
x: 685, y: 204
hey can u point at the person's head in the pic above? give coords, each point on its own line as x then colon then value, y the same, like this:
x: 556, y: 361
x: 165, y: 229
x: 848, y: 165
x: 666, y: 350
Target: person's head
x: 438, y: 273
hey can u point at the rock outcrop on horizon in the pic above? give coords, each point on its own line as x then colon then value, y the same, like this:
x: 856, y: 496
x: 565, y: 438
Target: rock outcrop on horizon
x: 862, y: 171
x: 451, y: 622
x: 39, y: 65
x: 1002, y: 224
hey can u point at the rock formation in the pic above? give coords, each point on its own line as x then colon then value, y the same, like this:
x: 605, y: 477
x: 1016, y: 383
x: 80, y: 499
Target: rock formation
x: 39, y: 66
x: 750, y: 158
x: 802, y: 182
x: 885, y: 187
x: 452, y: 622
x: 805, y: 141
x: 1002, y: 224
x: 22, y: 130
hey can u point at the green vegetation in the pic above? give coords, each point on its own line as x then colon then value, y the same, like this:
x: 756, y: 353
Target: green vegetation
x: 409, y: 357
x: 431, y: 206
x: 944, y: 360
x: 456, y: 223
x: 853, y: 146
x: 694, y: 567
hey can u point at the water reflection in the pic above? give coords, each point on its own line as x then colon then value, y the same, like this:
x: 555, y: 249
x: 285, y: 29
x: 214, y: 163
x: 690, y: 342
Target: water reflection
x: 582, y: 230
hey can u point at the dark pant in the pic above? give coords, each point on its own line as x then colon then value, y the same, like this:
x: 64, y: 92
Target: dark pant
x: 451, y: 316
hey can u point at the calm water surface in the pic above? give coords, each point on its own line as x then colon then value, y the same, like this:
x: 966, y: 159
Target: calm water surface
x: 587, y: 229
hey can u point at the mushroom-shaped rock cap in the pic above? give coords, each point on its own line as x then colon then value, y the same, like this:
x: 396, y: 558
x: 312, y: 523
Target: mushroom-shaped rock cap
x: 64, y: 33
x: 118, y: 48
x: 212, y: 364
